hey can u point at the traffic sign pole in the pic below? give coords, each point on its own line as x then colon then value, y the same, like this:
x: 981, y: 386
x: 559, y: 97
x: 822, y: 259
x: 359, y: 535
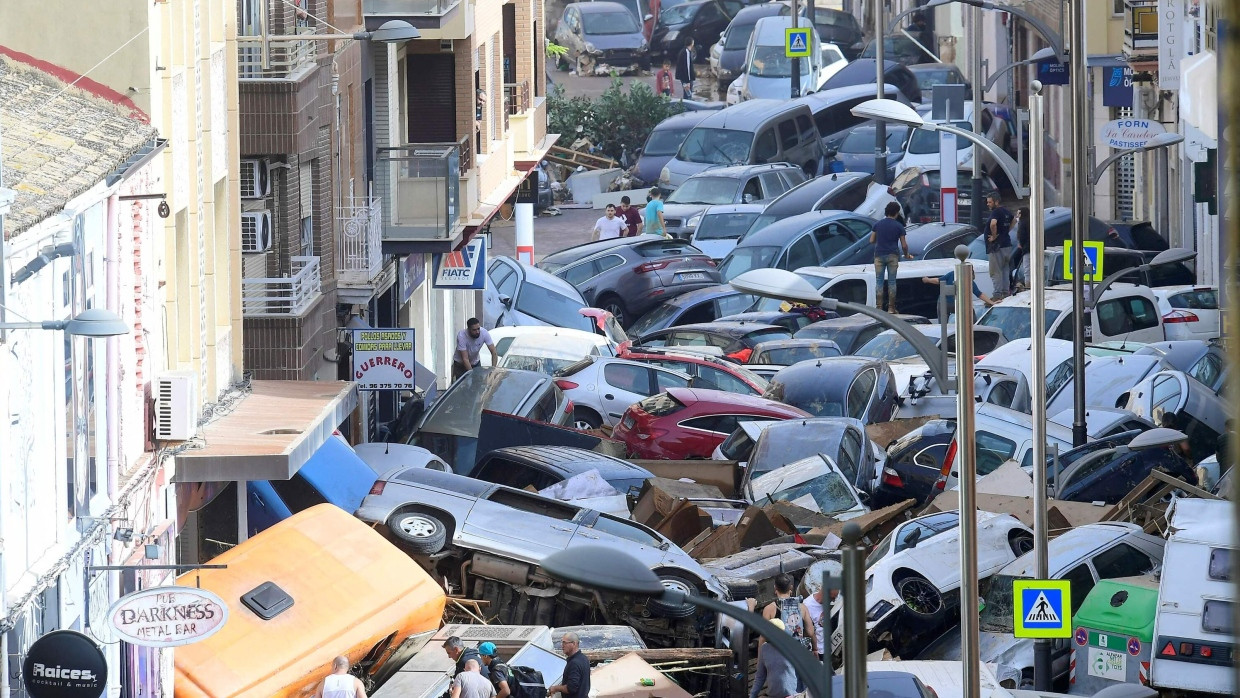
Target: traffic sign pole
x: 796, y: 62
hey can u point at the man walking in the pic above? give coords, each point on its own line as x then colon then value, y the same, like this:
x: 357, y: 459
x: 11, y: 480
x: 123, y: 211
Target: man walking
x: 469, y: 343
x: 654, y: 214
x: 497, y: 671
x: 888, y: 238
x: 609, y: 226
x: 470, y: 683
x: 791, y: 612
x: 999, y: 245
x: 632, y: 219
x: 684, y: 69
x: 576, y: 672
x: 340, y: 683
x: 774, y: 671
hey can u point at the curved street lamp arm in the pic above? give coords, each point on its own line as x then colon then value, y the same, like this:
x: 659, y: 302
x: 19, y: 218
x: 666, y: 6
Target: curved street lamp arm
x: 1111, y: 160
x: 1005, y: 161
x: 807, y: 666
x: 1000, y: 72
x: 1051, y: 37
x: 936, y: 358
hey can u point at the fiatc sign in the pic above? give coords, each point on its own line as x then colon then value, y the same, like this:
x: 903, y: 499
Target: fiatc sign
x: 167, y: 616
x: 463, y: 268
x: 383, y: 359
x: 65, y: 664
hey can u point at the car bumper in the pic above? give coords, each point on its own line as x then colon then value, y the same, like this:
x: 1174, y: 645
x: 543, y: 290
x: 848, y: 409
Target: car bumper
x: 656, y: 296
x: 622, y: 57
x: 374, y: 513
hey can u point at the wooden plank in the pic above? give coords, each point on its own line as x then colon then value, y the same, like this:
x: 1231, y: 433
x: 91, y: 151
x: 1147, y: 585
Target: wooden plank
x: 662, y: 654
x: 1180, y: 484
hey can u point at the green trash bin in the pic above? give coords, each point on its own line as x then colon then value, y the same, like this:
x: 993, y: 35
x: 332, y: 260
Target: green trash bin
x: 1112, y: 634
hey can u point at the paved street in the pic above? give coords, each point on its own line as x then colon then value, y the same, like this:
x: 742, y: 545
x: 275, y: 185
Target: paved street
x: 551, y: 233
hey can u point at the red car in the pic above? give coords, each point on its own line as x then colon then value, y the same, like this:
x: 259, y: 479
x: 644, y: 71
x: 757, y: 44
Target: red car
x: 707, y: 371
x: 686, y: 423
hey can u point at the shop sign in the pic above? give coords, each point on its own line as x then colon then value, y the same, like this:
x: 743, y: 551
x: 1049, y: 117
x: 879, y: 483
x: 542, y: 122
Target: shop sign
x: 383, y: 359
x: 1124, y: 134
x: 463, y: 268
x: 65, y: 664
x: 167, y: 616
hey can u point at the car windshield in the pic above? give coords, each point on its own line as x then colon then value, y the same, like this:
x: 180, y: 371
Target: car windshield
x: 770, y: 62
x: 743, y: 259
x: 724, y: 226
x: 716, y: 146
x: 827, y: 493
x: 705, y: 190
x: 927, y: 79
x: 785, y: 445
x: 925, y: 142
x: 662, y: 316
x: 840, y: 335
x: 540, y: 364
x: 1013, y: 322
x: 552, y: 308
x: 665, y: 142
x: 600, y: 23
x: 737, y: 446
x: 459, y: 411
x: 834, y: 18
x: 888, y: 345
x: 738, y: 36
x: 860, y: 140
x: 997, y: 604
x: 813, y: 398
x: 786, y: 356
x: 678, y: 14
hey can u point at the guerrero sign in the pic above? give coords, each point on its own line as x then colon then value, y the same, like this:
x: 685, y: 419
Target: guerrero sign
x: 383, y: 359
x: 1123, y: 134
x: 167, y: 616
x: 65, y: 664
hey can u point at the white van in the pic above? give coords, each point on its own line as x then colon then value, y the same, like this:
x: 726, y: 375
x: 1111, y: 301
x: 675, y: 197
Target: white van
x: 1125, y: 312
x: 768, y: 70
x: 1193, y: 635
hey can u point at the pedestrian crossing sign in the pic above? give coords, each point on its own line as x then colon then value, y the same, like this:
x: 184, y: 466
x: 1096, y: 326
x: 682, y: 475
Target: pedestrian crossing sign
x: 797, y: 42
x: 1093, y: 258
x: 1042, y: 608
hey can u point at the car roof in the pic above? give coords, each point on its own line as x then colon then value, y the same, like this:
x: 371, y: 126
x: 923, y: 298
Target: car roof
x: 562, y: 459
x: 846, y: 92
x: 933, y: 67
x: 685, y: 119
x: 806, y: 195
x: 734, y: 208
x: 546, y: 279
x: 1180, y: 354
x: 738, y: 171
x: 702, y: 294
x: 860, y: 321
x: 1072, y: 546
x: 920, y: 236
x: 769, y: 31
x: 738, y: 328
x: 436, y: 478
x: 781, y: 231
x: 837, y: 369
x: 568, y: 255
x: 752, y: 13
x: 746, y: 115
x: 599, y: 6
x: 733, y: 400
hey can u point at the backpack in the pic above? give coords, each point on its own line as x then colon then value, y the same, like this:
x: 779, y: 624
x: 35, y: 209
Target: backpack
x: 526, y: 682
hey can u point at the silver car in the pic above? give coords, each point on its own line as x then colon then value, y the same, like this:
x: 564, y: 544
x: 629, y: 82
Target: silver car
x: 505, y: 532
x: 602, y: 388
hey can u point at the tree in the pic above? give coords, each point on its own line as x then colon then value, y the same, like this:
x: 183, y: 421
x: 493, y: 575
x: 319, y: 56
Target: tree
x: 617, y: 120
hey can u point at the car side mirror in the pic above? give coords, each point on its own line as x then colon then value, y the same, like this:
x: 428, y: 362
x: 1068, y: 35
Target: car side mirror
x: 831, y: 152
x: 749, y: 199
x: 506, y: 300
x: 864, y: 497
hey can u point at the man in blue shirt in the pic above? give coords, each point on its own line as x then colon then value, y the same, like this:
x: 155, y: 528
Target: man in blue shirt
x: 999, y: 245
x: 949, y: 280
x: 888, y: 237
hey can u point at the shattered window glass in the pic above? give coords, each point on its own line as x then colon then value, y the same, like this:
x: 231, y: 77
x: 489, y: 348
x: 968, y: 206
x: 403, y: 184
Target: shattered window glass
x: 829, y: 492
x: 997, y: 605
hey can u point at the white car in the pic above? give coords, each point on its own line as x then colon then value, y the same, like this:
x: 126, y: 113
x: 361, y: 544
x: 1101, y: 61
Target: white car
x: 601, y: 389
x: 384, y: 457
x: 912, y: 577
x: 1189, y: 312
x: 552, y: 351
x: 815, y: 483
x: 922, y: 150
x: 504, y: 337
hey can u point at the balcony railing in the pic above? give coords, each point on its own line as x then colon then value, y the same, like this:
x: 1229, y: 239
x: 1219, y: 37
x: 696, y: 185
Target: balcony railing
x: 360, y: 254
x: 285, y: 58
x: 284, y: 296
x: 419, y: 185
x: 517, y: 96
x: 466, y: 148
x: 407, y: 8
x: 1141, y: 30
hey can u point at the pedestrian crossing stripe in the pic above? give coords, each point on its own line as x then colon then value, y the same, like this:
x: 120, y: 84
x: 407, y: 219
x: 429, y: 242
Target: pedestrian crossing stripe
x: 797, y: 42
x: 1042, y: 608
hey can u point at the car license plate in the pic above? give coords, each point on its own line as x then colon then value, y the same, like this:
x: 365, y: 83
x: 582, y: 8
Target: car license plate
x: 1108, y: 664
x: 693, y: 276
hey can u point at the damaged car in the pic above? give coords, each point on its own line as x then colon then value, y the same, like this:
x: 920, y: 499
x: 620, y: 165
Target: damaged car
x: 475, y: 535
x: 815, y: 483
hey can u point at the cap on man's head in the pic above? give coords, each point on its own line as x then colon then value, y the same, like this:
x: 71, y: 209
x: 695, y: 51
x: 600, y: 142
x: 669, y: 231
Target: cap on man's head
x: 487, y: 649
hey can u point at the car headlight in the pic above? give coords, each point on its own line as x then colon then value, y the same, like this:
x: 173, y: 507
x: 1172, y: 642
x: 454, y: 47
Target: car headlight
x: 693, y: 222
x: 878, y: 610
x: 665, y: 176
x: 724, y: 73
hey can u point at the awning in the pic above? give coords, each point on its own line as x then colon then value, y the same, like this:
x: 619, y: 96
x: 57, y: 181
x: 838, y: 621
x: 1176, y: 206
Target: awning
x: 270, y: 433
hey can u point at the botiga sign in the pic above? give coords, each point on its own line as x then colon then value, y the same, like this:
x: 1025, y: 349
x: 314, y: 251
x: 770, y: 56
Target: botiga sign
x: 167, y: 616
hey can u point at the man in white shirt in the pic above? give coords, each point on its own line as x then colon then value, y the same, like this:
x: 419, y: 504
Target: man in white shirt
x: 469, y: 344
x: 609, y: 226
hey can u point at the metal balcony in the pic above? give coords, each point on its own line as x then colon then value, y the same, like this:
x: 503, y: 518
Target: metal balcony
x: 1141, y: 28
x: 286, y: 296
x: 423, y: 14
x: 286, y: 60
x: 419, y: 186
x: 359, y: 251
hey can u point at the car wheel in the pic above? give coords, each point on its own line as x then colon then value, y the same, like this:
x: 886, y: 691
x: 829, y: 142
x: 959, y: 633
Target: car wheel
x: 920, y: 597
x: 677, y: 582
x: 615, y: 306
x: 421, y: 533
x: 585, y: 418
x: 1021, y: 542
x: 740, y: 587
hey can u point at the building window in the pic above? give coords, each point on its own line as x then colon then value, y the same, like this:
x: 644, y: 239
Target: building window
x: 1124, y: 176
x: 1118, y: 8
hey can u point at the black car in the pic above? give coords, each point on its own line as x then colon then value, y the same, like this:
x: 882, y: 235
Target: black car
x: 736, y: 40
x: 541, y: 467
x: 928, y: 241
x: 913, y: 464
x: 702, y: 305
x: 1108, y: 475
x: 852, y: 331
x: 629, y: 276
x: 840, y: 191
x: 735, y: 340
x: 1057, y: 222
x: 792, y: 319
x: 703, y: 20
x: 903, y: 50
x: 862, y: 72
x: 838, y: 386
x: 663, y: 142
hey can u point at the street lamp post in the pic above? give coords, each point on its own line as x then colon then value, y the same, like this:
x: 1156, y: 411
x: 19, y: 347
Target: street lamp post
x: 1038, y: 56
x: 93, y: 323
x: 970, y: 624
x: 880, y: 129
x: 1048, y: 35
x: 1161, y: 140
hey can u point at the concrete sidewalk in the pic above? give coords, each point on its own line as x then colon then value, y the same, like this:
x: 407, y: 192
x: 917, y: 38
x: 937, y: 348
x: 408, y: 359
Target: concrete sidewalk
x: 551, y: 233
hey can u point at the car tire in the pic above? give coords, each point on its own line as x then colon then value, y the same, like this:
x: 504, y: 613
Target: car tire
x: 740, y: 587
x: 585, y: 418
x: 920, y: 597
x: 420, y: 532
x: 1021, y: 542
x: 612, y: 304
x: 680, y: 582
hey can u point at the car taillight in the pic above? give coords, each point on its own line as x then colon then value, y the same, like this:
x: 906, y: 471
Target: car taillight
x: 565, y: 385
x: 740, y: 356
x: 568, y: 407
x: 377, y: 488
x: 1180, y: 316
x: 651, y: 266
x: 709, y: 261
x: 891, y: 478
x: 946, y: 470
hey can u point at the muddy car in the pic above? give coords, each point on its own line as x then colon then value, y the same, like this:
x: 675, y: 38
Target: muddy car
x: 487, y: 540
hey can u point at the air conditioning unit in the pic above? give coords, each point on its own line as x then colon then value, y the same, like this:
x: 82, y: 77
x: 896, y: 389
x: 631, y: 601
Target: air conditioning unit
x: 255, y: 232
x: 176, y: 406
x: 255, y: 179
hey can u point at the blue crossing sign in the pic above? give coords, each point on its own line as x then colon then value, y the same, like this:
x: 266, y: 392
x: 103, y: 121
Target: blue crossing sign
x: 797, y: 42
x: 1043, y: 608
x: 1093, y: 259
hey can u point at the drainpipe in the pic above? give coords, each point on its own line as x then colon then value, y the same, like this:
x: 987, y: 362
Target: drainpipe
x: 113, y: 370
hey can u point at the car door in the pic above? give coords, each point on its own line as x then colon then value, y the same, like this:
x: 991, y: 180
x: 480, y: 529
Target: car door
x: 502, y: 280
x: 803, y: 252
x: 519, y: 524
x: 833, y: 238
x: 624, y: 384
x: 1132, y: 318
x: 772, y: 185
x: 751, y: 192
x: 860, y: 394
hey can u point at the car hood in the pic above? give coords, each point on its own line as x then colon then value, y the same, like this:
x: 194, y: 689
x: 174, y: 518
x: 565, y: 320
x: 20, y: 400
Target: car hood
x: 648, y: 167
x: 611, y: 42
x: 775, y: 88
x: 683, y: 211
x: 679, y: 170
x: 732, y: 59
x: 717, y: 249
